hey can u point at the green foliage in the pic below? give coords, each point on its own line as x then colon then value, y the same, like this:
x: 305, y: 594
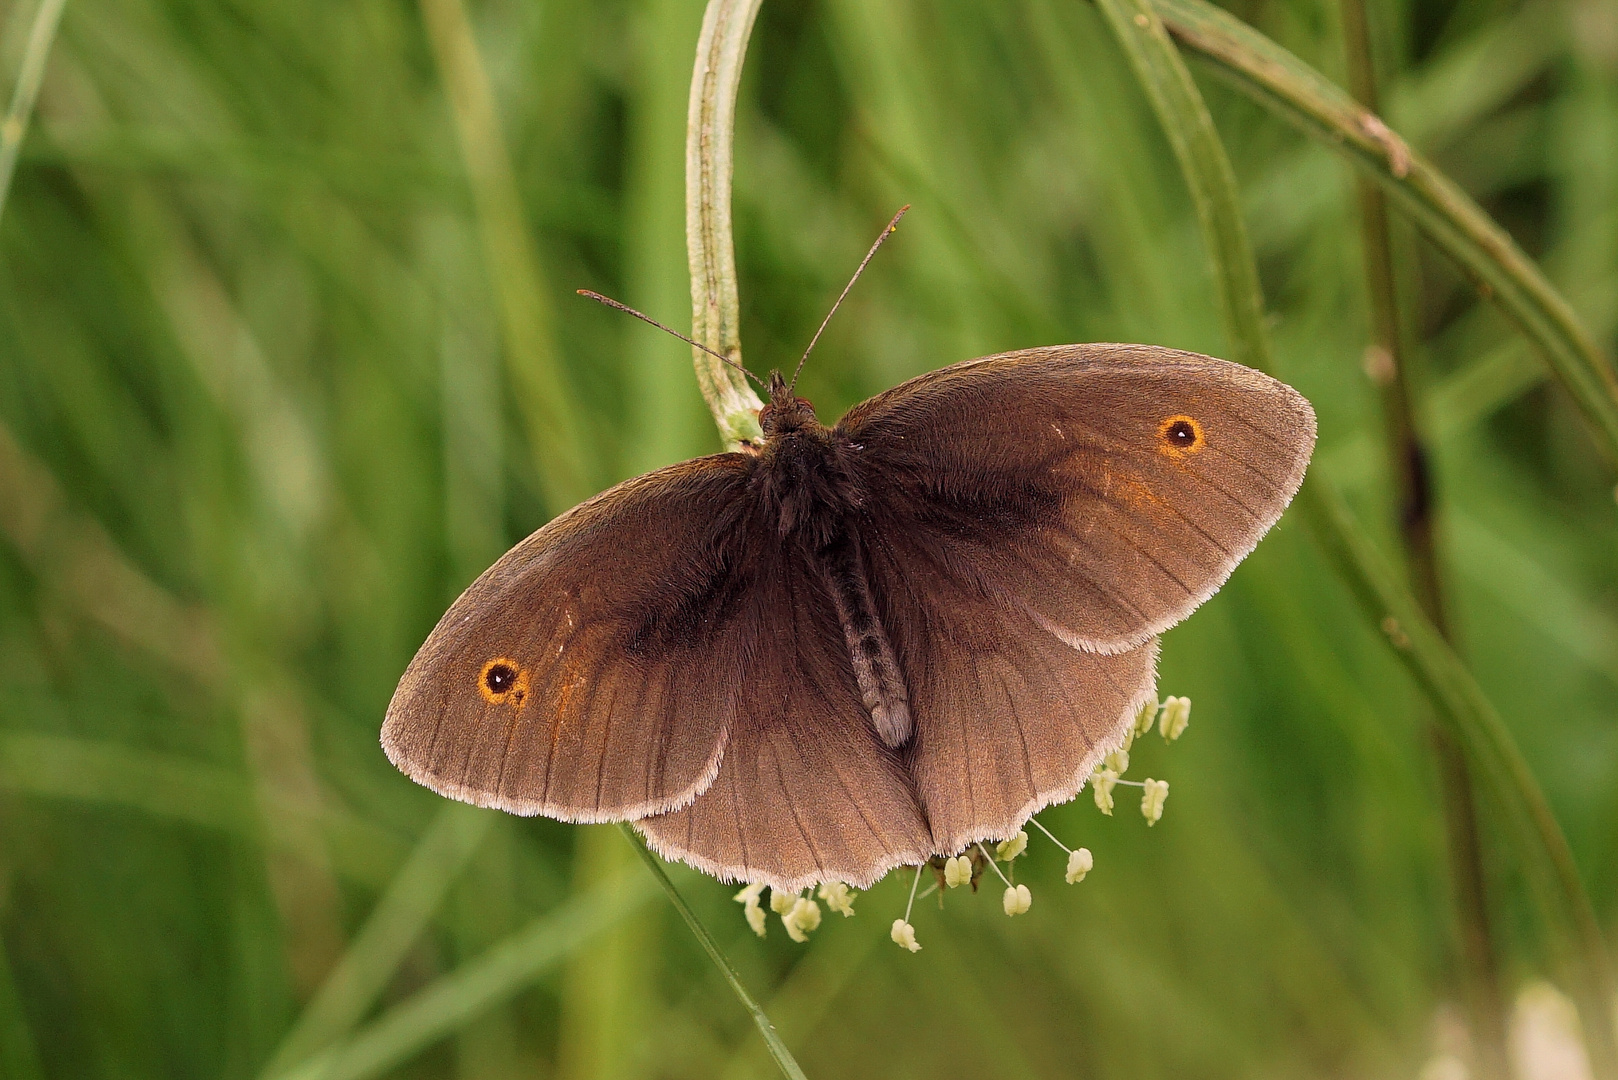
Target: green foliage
x: 281, y: 344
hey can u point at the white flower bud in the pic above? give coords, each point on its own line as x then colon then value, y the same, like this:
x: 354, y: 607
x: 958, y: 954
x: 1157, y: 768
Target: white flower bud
x: 802, y: 919
x: 1153, y: 795
x: 839, y: 897
x: 1017, y: 899
x: 1079, y: 863
x: 1118, y: 761
x: 1145, y: 715
x: 1176, y: 717
x: 748, y: 898
x: 781, y: 902
x: 904, y: 934
x: 1101, y: 783
x: 958, y: 871
x: 1006, y: 850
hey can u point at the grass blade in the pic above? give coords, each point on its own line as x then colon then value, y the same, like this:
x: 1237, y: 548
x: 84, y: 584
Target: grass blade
x: 392, y: 929
x: 461, y: 996
x: 1480, y: 247
x: 15, y: 125
x: 772, y: 1039
x: 549, y: 411
x: 1438, y: 670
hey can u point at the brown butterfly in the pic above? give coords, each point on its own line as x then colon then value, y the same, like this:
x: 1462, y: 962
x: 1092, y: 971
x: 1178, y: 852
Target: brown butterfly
x: 852, y: 648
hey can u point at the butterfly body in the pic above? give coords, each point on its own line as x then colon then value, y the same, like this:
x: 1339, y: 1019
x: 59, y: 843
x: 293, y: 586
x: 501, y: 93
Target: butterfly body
x: 853, y: 647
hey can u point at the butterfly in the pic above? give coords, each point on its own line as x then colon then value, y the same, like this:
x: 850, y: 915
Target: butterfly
x: 845, y: 649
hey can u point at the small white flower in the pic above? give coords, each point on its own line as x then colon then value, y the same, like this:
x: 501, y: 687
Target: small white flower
x: 802, y: 919
x: 1153, y: 795
x: 781, y: 902
x: 748, y: 898
x: 1017, y: 899
x: 957, y: 871
x: 904, y: 934
x: 1006, y: 850
x: 1118, y: 761
x: 839, y: 897
x: 1145, y: 715
x: 1101, y: 782
x: 1079, y: 863
x: 1176, y: 717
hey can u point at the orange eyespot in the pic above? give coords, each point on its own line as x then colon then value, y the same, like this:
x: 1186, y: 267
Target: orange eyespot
x: 502, y: 681
x: 1180, y: 435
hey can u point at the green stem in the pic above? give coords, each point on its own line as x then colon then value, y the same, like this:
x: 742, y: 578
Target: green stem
x: 772, y: 1040
x: 1481, y: 248
x: 1458, y: 700
x: 15, y: 125
x: 1408, y: 461
x: 709, y: 160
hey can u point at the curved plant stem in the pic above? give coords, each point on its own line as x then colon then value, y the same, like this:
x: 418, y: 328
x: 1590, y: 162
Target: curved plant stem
x: 1408, y: 462
x: 772, y: 1039
x: 1479, y: 246
x: 715, y: 321
x: 1459, y: 702
x: 709, y: 157
x: 15, y: 125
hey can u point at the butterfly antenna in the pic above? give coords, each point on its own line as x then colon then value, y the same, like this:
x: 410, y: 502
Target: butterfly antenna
x: 626, y: 309
x: 887, y: 232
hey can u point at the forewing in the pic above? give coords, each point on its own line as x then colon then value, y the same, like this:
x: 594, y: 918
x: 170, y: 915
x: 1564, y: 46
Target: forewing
x: 806, y: 792
x: 1106, y: 490
x: 1008, y: 717
x: 590, y: 673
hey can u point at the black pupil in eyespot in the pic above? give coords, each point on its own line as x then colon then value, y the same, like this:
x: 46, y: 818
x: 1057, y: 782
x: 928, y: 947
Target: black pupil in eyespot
x: 1181, y: 433
x: 499, y: 678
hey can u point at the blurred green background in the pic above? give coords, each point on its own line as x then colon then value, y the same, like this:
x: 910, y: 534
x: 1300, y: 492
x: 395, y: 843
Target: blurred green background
x: 275, y: 334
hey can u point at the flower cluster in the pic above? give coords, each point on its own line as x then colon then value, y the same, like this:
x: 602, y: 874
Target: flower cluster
x: 800, y: 914
x: 1171, y: 717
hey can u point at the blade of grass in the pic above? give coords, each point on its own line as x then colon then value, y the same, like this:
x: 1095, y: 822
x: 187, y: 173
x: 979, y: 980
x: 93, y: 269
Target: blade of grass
x: 15, y: 125
x: 548, y: 408
x: 716, y: 322
x: 772, y: 1039
x: 1408, y: 460
x: 395, y: 923
x: 710, y: 249
x: 1460, y: 228
x: 1460, y: 703
x: 459, y: 997
x: 95, y: 771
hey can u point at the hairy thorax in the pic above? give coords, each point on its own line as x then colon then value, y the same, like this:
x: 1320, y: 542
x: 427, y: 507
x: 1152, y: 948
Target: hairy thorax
x: 813, y: 500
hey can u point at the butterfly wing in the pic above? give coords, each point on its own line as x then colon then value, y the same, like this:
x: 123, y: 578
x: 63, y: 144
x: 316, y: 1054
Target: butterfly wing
x: 1008, y: 718
x: 1033, y: 521
x: 1106, y: 490
x: 589, y: 674
x: 807, y: 792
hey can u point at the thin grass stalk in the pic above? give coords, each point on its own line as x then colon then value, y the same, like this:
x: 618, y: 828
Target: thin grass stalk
x: 716, y: 323
x: 458, y: 998
x: 1483, y: 250
x: 1408, y: 462
x: 710, y: 247
x: 1460, y: 703
x: 41, y: 34
x: 394, y: 925
x: 549, y: 410
x: 772, y: 1039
